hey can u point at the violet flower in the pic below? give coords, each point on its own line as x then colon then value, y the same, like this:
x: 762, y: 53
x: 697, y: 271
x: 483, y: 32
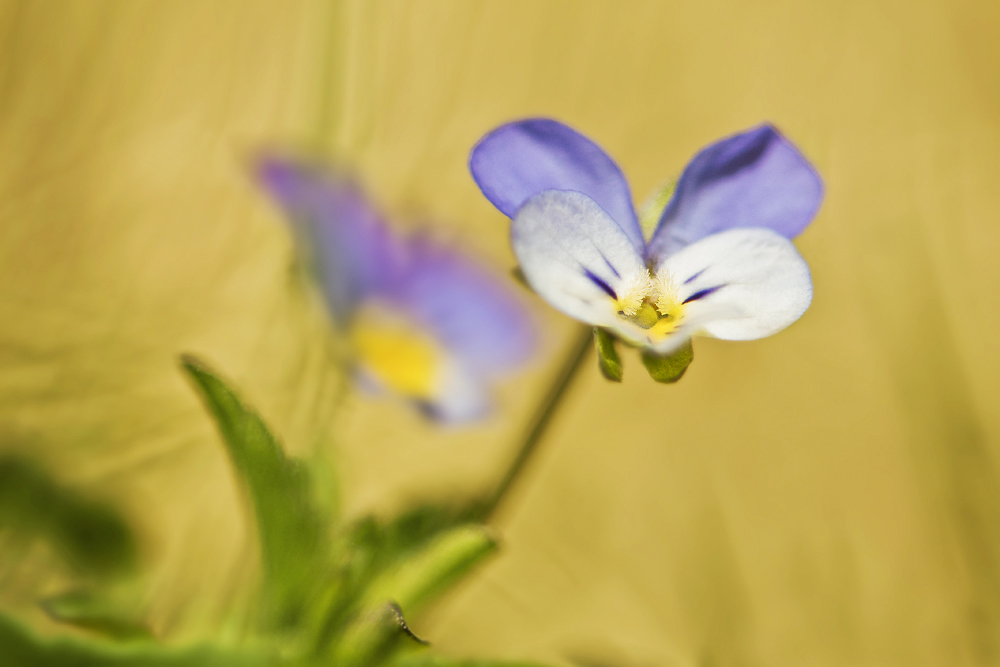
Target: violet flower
x: 424, y: 321
x: 718, y: 264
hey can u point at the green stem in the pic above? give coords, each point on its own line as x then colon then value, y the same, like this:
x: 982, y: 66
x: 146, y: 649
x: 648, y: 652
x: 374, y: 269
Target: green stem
x: 539, y: 424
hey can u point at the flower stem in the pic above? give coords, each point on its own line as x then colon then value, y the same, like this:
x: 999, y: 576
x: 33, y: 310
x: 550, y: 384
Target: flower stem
x: 583, y: 342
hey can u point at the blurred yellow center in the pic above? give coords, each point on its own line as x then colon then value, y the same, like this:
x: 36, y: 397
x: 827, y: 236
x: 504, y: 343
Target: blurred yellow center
x: 651, y: 303
x: 397, y: 353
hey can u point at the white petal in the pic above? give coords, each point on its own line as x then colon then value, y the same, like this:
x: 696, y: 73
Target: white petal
x: 574, y: 255
x: 741, y: 284
x: 461, y: 396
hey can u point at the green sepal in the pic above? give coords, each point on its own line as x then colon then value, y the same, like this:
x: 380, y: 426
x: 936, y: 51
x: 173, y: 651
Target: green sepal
x: 292, y: 529
x: 92, y: 537
x: 668, y: 368
x: 607, y: 356
x: 652, y: 209
x: 97, y: 613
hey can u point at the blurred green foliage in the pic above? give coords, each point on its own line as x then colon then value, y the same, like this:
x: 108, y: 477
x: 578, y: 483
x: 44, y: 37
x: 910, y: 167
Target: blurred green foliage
x: 330, y: 592
x: 291, y: 529
x: 90, y: 536
x: 20, y: 647
x: 96, y: 612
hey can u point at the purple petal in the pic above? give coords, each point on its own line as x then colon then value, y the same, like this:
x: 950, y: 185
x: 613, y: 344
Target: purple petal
x: 516, y: 161
x: 353, y: 250
x: 754, y: 179
x: 470, y: 310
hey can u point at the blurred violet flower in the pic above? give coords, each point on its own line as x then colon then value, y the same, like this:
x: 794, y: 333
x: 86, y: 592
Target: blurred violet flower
x: 425, y: 321
x: 719, y: 262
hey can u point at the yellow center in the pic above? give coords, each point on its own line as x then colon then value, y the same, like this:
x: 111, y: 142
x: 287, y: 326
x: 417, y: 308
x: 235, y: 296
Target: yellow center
x: 396, y: 353
x: 651, y: 303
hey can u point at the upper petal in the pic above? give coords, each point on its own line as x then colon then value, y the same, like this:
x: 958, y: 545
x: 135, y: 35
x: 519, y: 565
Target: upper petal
x: 754, y: 179
x: 517, y: 161
x: 346, y: 239
x: 471, y: 310
x: 741, y: 284
x: 574, y: 255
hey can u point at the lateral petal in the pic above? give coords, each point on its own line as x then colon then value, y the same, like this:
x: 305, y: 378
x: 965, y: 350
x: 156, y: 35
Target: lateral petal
x: 338, y: 230
x: 574, y: 254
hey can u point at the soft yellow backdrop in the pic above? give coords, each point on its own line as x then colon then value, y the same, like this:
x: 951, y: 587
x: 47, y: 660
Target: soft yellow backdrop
x: 828, y: 496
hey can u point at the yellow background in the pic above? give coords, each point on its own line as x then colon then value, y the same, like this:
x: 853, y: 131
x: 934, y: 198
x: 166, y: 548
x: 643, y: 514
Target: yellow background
x: 828, y: 496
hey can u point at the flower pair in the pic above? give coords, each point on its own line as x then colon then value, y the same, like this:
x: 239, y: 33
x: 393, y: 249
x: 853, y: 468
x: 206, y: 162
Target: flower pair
x: 718, y: 263
x: 428, y: 323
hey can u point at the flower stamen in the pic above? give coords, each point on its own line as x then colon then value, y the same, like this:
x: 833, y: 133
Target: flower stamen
x: 632, y: 293
x: 651, y: 303
x: 666, y: 293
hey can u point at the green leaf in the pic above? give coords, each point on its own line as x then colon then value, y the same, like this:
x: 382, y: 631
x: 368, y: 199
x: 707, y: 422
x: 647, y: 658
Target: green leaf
x: 419, y: 579
x: 403, y: 627
x: 669, y: 367
x: 293, y: 531
x: 410, y: 583
x: 20, y: 647
x: 369, y: 549
x: 412, y: 530
x: 607, y: 356
x: 372, y: 638
x: 90, y: 611
x: 91, y: 536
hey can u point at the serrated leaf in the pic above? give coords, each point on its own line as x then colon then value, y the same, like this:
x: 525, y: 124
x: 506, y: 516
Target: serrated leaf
x: 20, y: 647
x: 91, y: 611
x: 91, y: 536
x: 292, y: 530
x: 668, y: 368
x: 607, y: 356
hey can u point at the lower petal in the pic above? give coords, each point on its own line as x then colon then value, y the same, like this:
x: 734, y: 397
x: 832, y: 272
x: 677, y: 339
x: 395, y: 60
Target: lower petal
x: 397, y: 355
x: 741, y: 284
x: 461, y: 395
